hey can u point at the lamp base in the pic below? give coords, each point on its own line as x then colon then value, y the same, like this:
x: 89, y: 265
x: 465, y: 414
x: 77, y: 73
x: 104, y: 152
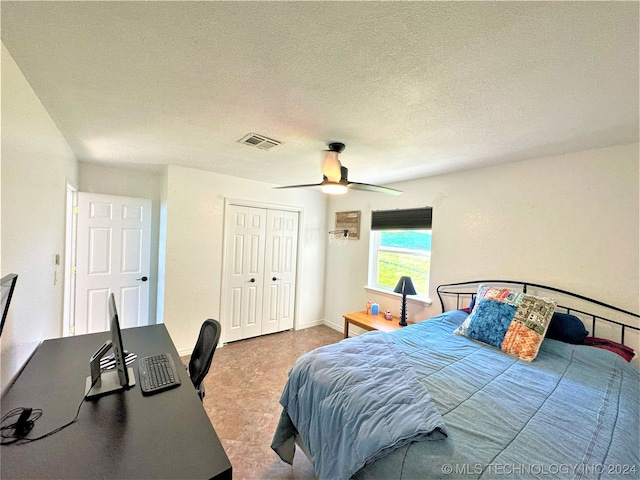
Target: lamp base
x: 403, y: 312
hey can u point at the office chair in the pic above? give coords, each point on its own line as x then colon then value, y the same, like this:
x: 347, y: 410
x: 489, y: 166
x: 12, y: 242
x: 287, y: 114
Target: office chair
x: 203, y: 354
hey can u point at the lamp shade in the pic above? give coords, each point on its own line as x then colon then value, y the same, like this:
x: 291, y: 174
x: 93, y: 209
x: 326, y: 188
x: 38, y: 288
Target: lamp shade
x: 405, y: 286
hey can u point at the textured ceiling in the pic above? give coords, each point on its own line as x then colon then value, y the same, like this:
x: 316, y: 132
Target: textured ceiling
x: 412, y: 88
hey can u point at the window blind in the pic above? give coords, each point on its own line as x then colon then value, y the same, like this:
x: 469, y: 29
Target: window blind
x: 405, y: 219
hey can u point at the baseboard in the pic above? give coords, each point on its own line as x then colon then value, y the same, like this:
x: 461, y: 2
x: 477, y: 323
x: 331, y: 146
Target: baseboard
x: 317, y: 323
x: 187, y: 352
x: 336, y: 326
x: 354, y: 331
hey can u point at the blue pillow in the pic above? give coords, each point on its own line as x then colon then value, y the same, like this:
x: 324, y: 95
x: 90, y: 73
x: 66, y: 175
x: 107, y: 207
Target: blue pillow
x: 473, y: 303
x: 567, y: 328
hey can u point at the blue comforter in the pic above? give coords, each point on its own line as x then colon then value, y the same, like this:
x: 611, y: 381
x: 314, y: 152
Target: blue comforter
x: 352, y: 403
x: 571, y: 413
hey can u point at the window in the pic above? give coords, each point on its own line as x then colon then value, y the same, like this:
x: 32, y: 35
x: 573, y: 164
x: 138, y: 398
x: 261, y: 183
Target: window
x: 400, y: 245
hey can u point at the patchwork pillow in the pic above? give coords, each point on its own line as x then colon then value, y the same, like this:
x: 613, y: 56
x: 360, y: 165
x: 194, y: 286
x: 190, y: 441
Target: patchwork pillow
x: 512, y: 321
x: 462, y: 329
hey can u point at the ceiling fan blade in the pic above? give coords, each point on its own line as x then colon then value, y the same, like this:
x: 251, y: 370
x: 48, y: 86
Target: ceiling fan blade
x: 335, y: 176
x: 331, y: 166
x: 344, y: 180
x: 373, y: 188
x: 303, y: 186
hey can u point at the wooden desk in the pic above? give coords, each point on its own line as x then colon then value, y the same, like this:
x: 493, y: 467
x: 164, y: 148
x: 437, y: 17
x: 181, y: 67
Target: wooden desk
x: 370, y: 322
x: 122, y: 435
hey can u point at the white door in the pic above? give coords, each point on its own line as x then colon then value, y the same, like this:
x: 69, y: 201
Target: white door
x: 244, y: 244
x: 280, y: 270
x: 113, y: 249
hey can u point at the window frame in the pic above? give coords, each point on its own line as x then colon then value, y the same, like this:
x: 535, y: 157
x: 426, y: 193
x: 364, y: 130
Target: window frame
x: 374, y: 249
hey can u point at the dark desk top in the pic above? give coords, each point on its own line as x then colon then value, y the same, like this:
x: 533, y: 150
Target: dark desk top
x: 122, y: 435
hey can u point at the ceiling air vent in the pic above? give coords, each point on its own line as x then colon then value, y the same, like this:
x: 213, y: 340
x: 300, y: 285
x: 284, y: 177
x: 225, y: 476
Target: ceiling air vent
x: 259, y: 141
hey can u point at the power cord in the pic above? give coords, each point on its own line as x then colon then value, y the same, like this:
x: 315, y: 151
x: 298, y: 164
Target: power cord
x: 22, y: 426
x: 26, y: 420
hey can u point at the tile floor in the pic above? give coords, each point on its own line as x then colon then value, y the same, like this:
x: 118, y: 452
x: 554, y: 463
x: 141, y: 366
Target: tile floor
x: 242, y: 392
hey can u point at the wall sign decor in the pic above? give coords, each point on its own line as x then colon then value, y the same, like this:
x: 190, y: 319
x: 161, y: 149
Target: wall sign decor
x: 349, y: 221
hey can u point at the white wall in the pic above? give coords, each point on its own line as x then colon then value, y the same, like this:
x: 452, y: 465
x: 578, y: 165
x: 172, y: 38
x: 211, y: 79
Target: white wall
x: 130, y: 182
x: 570, y: 221
x: 36, y: 165
x: 194, y: 244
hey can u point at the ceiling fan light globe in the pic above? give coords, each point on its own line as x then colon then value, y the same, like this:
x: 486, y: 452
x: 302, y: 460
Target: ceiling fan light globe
x: 334, y: 188
x: 331, y: 167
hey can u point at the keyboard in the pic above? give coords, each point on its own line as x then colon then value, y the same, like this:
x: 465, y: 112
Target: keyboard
x: 157, y: 373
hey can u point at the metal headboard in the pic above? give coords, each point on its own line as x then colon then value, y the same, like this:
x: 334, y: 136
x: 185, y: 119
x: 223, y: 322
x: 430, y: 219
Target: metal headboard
x: 457, y: 290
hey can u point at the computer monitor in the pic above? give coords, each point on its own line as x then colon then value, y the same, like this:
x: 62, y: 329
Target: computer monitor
x: 101, y: 383
x: 7, y: 285
x: 116, y: 343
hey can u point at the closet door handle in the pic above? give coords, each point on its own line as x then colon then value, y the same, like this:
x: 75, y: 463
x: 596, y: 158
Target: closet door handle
x: 252, y: 280
x: 275, y: 278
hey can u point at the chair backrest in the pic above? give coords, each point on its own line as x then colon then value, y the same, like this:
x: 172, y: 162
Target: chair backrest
x: 203, y: 351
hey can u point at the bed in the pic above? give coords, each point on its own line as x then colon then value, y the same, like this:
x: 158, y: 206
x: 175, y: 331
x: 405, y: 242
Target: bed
x: 425, y: 402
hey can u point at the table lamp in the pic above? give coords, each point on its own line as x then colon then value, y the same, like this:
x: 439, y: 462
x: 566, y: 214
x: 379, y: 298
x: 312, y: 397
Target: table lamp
x: 405, y: 287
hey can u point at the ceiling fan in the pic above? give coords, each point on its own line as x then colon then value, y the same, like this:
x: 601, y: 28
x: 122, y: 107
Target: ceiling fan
x: 335, y: 179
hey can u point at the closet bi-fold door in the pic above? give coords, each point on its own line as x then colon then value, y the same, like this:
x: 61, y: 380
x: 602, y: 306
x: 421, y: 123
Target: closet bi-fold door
x: 244, y: 242
x: 281, y: 248
x: 259, y: 285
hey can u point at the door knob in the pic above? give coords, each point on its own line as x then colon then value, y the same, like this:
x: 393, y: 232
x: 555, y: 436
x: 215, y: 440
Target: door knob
x: 144, y: 279
x: 252, y: 280
x: 275, y: 278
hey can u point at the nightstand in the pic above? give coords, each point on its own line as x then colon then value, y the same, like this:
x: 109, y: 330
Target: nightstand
x: 370, y: 322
